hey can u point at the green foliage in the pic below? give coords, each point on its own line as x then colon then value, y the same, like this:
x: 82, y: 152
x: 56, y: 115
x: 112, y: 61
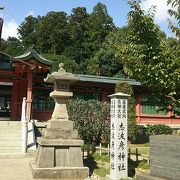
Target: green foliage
x: 143, y: 165
x: 28, y: 31
x: 104, y: 62
x: 103, y: 157
x: 77, y: 36
x: 78, y: 27
x: 12, y: 46
x: 90, y: 119
x: 127, y: 89
x: 90, y: 43
x: 98, y: 165
x: 174, y: 12
x: 52, y: 31
x: 159, y: 129
x: 143, y: 51
x: 147, y: 56
x: 102, y: 172
x: 69, y: 64
x: 101, y: 24
x: 174, y: 53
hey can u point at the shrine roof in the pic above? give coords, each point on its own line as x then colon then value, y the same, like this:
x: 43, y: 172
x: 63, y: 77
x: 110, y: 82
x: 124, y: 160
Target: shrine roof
x: 111, y: 80
x: 33, y: 54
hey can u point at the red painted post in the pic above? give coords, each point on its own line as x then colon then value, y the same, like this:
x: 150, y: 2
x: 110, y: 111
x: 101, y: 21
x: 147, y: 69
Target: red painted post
x: 29, y: 96
x: 138, y: 109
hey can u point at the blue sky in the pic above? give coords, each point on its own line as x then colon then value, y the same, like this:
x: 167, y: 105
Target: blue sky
x: 16, y: 10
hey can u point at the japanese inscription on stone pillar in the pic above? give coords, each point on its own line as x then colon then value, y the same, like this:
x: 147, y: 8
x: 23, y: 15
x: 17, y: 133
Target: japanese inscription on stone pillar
x: 118, y: 138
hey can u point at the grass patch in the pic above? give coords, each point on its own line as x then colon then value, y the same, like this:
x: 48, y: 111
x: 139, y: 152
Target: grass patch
x: 141, y: 150
x: 103, y: 157
x: 98, y: 165
x: 143, y: 165
x: 102, y: 172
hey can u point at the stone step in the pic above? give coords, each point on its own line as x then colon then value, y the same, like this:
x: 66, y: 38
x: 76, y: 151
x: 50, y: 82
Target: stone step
x: 14, y: 155
x: 10, y: 135
x: 10, y: 129
x: 10, y: 144
x: 10, y: 139
x: 13, y: 131
x: 10, y: 123
x: 7, y: 125
x: 10, y: 149
x: 5, y: 119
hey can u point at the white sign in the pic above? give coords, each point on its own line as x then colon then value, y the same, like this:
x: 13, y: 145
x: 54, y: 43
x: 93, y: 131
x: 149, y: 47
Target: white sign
x: 118, y: 139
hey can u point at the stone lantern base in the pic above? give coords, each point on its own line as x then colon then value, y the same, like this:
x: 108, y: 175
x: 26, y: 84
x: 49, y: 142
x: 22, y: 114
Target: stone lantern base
x: 59, y: 153
x: 66, y: 173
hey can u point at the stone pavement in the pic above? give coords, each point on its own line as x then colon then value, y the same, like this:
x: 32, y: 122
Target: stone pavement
x: 15, y: 167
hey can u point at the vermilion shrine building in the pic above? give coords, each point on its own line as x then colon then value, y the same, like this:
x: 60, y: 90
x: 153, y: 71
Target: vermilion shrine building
x: 23, y: 76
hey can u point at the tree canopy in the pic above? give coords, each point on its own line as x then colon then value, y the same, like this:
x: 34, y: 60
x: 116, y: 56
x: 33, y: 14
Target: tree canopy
x: 148, y: 56
x: 90, y: 43
x: 77, y: 36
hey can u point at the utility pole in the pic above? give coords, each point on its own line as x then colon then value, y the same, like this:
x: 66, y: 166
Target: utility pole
x: 1, y: 24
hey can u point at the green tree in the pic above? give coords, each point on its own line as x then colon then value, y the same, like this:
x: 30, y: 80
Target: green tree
x: 104, y: 62
x: 69, y: 64
x: 13, y: 46
x: 77, y: 28
x: 77, y: 36
x: 28, y: 31
x: 52, y: 33
x: 173, y: 50
x: 174, y: 12
x: 101, y: 24
x: 127, y: 89
x: 146, y: 56
x: 3, y: 45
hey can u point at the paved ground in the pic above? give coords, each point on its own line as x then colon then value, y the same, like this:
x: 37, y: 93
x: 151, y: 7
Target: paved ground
x: 15, y: 168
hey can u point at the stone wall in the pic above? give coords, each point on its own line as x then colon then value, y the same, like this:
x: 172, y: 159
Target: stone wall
x: 165, y: 156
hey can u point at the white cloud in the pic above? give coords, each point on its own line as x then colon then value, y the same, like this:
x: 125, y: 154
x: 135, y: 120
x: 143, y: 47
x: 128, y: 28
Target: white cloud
x: 9, y: 29
x: 32, y: 13
x: 161, y: 14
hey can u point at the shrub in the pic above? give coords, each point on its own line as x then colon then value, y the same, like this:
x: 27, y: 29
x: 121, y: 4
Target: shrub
x: 159, y: 129
x: 90, y: 119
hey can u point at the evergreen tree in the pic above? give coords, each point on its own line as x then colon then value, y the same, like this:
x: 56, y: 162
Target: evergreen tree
x: 13, y: 47
x: 28, y: 32
x: 104, y: 62
x: 77, y: 28
x: 52, y: 33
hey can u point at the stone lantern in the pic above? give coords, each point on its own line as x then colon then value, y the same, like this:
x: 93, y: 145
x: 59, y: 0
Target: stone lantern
x: 59, y: 153
x: 61, y: 94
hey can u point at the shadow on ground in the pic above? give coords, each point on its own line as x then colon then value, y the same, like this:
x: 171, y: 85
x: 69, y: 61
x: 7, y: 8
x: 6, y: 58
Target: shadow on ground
x: 90, y: 163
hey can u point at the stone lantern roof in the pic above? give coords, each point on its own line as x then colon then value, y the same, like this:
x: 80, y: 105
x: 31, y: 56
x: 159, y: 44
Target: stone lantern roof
x: 61, y: 75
